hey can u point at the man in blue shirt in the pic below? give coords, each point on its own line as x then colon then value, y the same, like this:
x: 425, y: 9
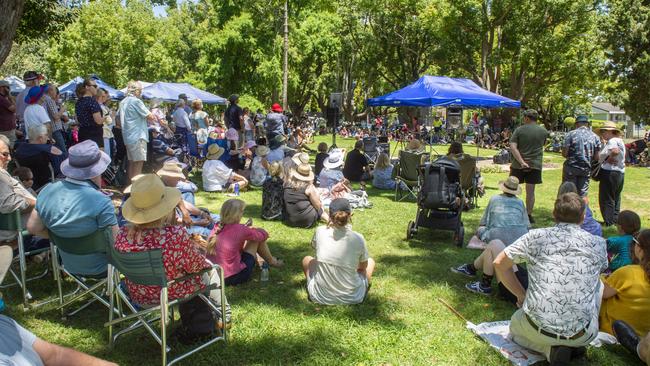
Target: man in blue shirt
x: 134, y: 115
x: 580, y: 148
x: 76, y: 207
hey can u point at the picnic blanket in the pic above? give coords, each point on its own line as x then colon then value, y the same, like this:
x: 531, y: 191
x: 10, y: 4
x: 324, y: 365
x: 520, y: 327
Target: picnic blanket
x: 497, y: 335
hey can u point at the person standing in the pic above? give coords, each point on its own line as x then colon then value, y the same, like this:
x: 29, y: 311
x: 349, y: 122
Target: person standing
x: 31, y: 78
x: 133, y: 116
x: 558, y: 313
x: 527, y: 150
x: 56, y: 115
x: 7, y: 113
x: 612, y: 173
x: 89, y: 114
x: 275, y: 122
x: 581, y: 147
x: 235, y: 117
x: 35, y: 114
x: 182, y: 122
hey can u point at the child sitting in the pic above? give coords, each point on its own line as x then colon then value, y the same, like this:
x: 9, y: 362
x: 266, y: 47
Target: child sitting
x: 26, y: 178
x: 618, y: 247
x: 273, y: 194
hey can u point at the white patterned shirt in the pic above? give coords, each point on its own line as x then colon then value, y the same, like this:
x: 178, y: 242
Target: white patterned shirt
x: 564, y: 263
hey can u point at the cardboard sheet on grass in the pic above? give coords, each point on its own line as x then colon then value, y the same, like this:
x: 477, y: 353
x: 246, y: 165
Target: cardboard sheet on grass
x: 497, y: 335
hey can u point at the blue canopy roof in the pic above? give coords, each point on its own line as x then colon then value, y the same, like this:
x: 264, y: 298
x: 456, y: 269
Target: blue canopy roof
x: 169, y: 93
x: 431, y: 91
x: 67, y: 89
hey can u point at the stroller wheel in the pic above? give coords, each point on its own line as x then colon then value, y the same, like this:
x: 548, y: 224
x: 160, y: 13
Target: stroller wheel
x: 460, y: 236
x: 410, y: 230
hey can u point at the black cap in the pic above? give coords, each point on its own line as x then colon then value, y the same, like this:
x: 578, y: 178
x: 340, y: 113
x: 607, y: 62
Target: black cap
x: 582, y: 119
x: 182, y: 96
x: 340, y: 204
x: 233, y: 98
x: 30, y: 75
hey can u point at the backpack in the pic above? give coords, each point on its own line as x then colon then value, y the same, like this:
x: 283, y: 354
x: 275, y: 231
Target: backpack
x: 441, y: 185
x: 502, y: 157
x: 198, y: 320
x: 272, y: 199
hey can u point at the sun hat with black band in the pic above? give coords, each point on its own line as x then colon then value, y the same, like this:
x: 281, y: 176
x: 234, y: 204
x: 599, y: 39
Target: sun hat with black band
x: 303, y: 172
x: 609, y: 126
x: 31, y: 75
x: 150, y: 200
x: 340, y: 204
x: 510, y: 185
x: 85, y: 161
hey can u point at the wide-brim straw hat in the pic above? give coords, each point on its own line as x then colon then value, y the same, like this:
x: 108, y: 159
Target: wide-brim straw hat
x: 214, y: 152
x: 303, y: 172
x: 301, y: 158
x: 150, y: 200
x: 510, y: 185
x: 171, y: 169
x: 85, y: 161
x: 262, y: 150
x: 333, y: 161
x: 609, y: 126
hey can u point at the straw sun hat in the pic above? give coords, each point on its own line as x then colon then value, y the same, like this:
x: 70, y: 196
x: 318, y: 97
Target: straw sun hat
x: 610, y: 126
x: 150, y: 200
x: 510, y: 185
x: 303, y: 172
x: 171, y: 169
x: 262, y: 150
x: 214, y: 152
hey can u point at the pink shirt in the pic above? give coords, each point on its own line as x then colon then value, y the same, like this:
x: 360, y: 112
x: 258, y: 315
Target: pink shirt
x: 230, y: 244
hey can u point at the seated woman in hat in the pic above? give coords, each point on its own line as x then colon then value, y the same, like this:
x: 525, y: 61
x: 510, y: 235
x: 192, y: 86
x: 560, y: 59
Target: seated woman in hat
x: 152, y: 224
x: 332, y: 172
x: 235, y: 246
x: 302, y: 202
x: 341, y: 271
x: 216, y: 175
x: 259, y: 166
x: 505, y: 220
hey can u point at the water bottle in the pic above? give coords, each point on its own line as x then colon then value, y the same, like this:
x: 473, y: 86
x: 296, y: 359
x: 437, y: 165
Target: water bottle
x: 264, y: 276
x: 236, y: 189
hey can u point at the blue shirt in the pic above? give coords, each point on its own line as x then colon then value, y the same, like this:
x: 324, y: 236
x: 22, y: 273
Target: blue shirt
x: 582, y: 144
x: 71, y: 209
x: 505, y: 218
x: 619, y: 248
x: 17, y: 344
x: 133, y: 114
x: 382, y: 178
x: 274, y: 123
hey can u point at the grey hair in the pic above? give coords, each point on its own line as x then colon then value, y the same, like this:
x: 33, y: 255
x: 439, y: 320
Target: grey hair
x: 567, y: 187
x: 4, y: 139
x: 36, y: 131
x: 133, y: 87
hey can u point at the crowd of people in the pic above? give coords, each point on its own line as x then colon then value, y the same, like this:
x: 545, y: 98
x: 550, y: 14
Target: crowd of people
x: 567, y: 280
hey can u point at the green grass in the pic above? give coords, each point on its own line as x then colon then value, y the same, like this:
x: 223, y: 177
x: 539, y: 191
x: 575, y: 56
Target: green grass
x: 401, y: 323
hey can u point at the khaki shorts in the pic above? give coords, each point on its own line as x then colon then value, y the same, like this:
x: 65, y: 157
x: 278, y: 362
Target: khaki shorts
x: 137, y: 151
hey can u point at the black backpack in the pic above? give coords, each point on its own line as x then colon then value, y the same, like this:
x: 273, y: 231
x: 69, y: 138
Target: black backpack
x: 441, y: 185
x: 198, y: 320
x: 273, y: 199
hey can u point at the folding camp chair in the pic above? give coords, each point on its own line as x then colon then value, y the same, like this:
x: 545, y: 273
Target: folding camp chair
x: 92, y: 285
x: 370, y: 149
x: 468, y: 177
x: 13, y: 222
x: 146, y: 268
x: 406, y: 171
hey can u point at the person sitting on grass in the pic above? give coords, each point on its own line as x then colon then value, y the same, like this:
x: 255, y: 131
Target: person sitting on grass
x: 627, y: 291
x: 559, y: 310
x: 637, y: 344
x: 357, y: 166
x: 320, y: 158
x: 332, y: 174
x: 383, y: 174
x: 217, y: 176
x: 152, y: 224
x: 589, y: 224
x: 504, y: 221
x: 273, y: 194
x: 301, y: 200
x: 619, y: 248
x: 260, y: 166
x: 235, y: 246
x: 342, y: 269
x: 291, y: 162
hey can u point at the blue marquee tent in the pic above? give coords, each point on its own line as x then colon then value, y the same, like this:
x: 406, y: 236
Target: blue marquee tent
x: 169, y: 93
x: 67, y: 90
x: 433, y: 91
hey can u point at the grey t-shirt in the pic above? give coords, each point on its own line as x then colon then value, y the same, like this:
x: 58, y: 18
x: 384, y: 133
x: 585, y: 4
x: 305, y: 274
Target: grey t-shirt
x: 16, y: 345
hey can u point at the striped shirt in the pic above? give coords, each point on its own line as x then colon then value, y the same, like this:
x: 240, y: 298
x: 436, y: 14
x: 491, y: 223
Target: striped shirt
x: 52, y: 110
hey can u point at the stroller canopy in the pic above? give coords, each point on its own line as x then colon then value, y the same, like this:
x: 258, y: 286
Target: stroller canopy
x: 431, y: 91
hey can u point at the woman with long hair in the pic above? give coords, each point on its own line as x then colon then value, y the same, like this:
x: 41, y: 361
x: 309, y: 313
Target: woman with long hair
x: 301, y: 199
x: 627, y: 291
x: 341, y: 271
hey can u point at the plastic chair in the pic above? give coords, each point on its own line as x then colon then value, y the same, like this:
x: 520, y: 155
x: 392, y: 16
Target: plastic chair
x: 13, y: 222
x: 407, y: 171
x: 93, y: 285
x: 146, y: 268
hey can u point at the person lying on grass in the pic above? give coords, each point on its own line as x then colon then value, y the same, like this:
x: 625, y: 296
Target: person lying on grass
x: 235, y: 246
x: 342, y: 269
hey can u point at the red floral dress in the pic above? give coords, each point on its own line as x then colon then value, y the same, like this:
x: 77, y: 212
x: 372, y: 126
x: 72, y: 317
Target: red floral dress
x: 180, y: 257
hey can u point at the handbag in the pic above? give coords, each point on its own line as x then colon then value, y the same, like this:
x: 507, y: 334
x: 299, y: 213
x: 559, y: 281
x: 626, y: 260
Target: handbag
x: 596, y: 166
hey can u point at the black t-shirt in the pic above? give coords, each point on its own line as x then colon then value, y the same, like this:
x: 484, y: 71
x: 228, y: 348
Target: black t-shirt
x: 354, y: 164
x: 320, y: 159
x: 233, y: 115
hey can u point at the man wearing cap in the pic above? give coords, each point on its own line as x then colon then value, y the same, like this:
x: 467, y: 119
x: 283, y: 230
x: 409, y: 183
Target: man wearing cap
x: 35, y: 114
x: 134, y: 116
x: 527, y: 150
x: 7, y: 112
x: 76, y: 207
x: 186, y: 106
x: 235, y: 117
x: 581, y: 147
x: 558, y: 313
x: 275, y: 122
x: 30, y: 78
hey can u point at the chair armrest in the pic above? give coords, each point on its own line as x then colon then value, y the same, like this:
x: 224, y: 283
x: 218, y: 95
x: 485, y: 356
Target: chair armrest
x: 190, y: 275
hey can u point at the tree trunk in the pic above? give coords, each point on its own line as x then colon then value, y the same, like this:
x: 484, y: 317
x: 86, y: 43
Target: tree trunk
x: 12, y: 11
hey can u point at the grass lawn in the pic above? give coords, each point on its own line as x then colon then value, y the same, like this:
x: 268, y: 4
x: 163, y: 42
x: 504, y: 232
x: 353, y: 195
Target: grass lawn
x: 401, y: 323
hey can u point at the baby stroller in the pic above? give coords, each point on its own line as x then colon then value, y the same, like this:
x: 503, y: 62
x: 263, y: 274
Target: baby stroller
x: 440, y: 199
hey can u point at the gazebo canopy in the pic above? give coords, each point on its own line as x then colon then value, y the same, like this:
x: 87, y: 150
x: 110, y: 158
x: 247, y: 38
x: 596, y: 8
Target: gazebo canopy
x: 67, y: 90
x: 169, y: 92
